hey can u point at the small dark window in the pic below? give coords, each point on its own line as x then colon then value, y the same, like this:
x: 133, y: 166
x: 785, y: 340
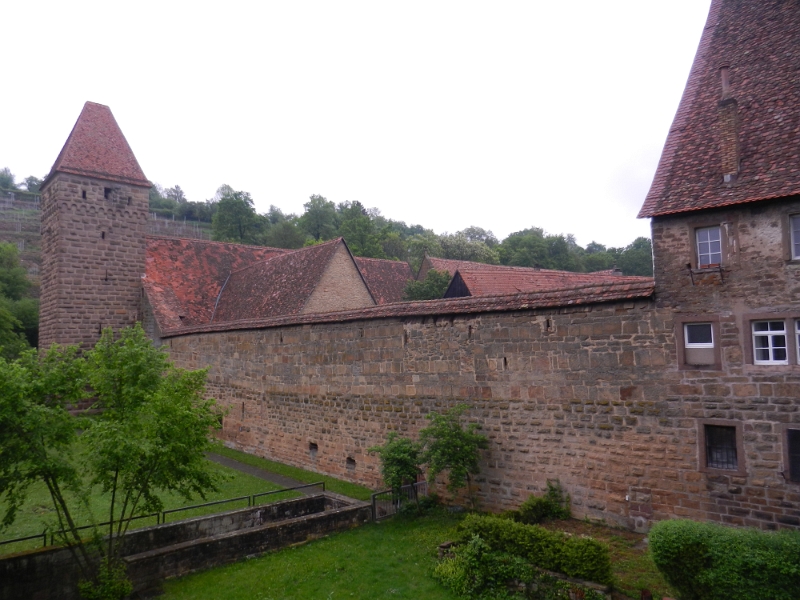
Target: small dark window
x: 793, y: 440
x: 107, y: 193
x: 351, y: 464
x: 721, y: 447
x: 129, y: 200
x: 312, y: 449
x: 699, y: 335
x: 83, y: 194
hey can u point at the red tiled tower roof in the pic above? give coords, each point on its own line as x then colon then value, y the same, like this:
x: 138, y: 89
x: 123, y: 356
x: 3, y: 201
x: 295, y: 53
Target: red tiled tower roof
x: 97, y: 148
x: 386, y: 279
x: 183, y: 277
x: 758, y: 43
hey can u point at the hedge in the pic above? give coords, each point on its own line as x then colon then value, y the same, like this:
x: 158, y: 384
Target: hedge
x: 580, y: 557
x: 703, y: 561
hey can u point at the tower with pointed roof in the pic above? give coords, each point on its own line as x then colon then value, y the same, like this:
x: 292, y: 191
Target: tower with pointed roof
x: 94, y: 218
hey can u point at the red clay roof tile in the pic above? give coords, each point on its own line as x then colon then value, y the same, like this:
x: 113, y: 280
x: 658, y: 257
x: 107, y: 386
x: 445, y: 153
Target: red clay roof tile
x: 97, y: 148
x: 590, y: 294
x: 183, y: 277
x: 759, y: 42
x: 487, y: 280
x: 278, y: 286
x: 386, y: 279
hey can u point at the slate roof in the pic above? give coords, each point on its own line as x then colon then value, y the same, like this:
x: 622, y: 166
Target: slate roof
x: 759, y: 41
x: 279, y: 286
x: 183, y: 277
x: 486, y: 280
x: 611, y: 291
x: 386, y: 279
x: 449, y: 265
x: 97, y: 148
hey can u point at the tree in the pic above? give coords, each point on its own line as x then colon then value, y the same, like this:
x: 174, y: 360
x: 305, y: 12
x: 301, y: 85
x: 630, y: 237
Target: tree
x: 637, y: 258
x: 319, y: 219
x: 7, y: 179
x: 400, y: 461
x: 150, y: 437
x: 32, y: 184
x: 458, y: 246
x: 176, y: 194
x: 358, y: 230
x: 19, y: 313
x: 447, y: 446
x: 432, y: 287
x: 236, y: 220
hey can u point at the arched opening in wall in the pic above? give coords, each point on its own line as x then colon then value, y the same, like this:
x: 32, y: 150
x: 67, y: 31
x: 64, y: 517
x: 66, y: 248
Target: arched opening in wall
x: 350, y: 463
x: 312, y: 450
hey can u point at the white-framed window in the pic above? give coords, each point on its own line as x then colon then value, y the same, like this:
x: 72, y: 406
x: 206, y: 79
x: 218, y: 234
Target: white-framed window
x: 769, y: 343
x: 700, y: 335
x: 709, y: 246
x: 794, y: 225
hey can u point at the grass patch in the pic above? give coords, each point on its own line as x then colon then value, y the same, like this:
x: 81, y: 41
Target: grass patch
x: 393, y: 559
x: 338, y: 486
x: 37, y: 513
x: 631, y: 561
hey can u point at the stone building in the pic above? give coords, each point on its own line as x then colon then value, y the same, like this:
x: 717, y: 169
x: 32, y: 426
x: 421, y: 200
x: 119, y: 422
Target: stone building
x: 647, y: 399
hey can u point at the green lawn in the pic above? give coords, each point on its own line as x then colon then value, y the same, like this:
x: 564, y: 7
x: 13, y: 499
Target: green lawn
x: 338, y: 486
x: 392, y: 559
x: 37, y: 512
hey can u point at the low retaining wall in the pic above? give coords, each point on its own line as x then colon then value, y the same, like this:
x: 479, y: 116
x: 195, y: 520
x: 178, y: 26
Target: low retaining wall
x: 175, y: 549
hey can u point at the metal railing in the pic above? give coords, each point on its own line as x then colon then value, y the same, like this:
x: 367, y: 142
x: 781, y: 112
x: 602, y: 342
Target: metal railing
x: 388, y: 503
x: 161, y: 517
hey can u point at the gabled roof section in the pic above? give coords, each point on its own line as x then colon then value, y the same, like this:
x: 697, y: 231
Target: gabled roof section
x: 183, y: 277
x: 386, y: 279
x: 279, y: 286
x: 97, y: 148
x: 494, y: 280
x: 448, y: 265
x: 612, y: 291
x: 759, y: 43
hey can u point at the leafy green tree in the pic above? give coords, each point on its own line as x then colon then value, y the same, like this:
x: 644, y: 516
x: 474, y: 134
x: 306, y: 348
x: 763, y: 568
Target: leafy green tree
x: 150, y: 438
x: 358, y: 230
x: 236, y: 220
x: 319, y: 219
x: 448, y: 446
x: 458, y: 246
x: 432, y: 287
x: 7, y: 180
x: 14, y: 282
x: 400, y: 461
x: 393, y: 245
x: 478, y: 234
x: 421, y: 245
x: 32, y: 184
x: 19, y: 313
x: 285, y: 234
x: 637, y: 258
x: 176, y: 195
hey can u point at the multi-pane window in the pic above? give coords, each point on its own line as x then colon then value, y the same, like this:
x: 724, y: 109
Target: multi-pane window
x: 769, y: 343
x: 795, y: 226
x: 709, y: 246
x: 721, y: 447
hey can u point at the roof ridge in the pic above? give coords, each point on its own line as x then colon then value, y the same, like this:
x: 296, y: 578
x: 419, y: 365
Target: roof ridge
x: 202, y: 241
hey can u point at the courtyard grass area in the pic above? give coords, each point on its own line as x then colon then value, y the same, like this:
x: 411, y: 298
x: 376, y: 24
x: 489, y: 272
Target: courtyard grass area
x: 392, y: 559
x: 338, y: 486
x: 37, y: 512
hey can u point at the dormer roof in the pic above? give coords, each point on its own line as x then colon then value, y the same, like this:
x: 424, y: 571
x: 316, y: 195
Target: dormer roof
x: 755, y: 44
x: 96, y: 147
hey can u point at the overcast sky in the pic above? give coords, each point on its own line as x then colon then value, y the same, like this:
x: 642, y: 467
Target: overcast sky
x: 502, y: 114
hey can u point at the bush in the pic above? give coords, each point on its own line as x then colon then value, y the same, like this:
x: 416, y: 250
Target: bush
x: 537, y: 509
x: 703, y: 561
x: 579, y: 557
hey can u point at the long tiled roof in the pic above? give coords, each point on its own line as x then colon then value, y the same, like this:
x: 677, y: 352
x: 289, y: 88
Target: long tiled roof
x: 386, y: 279
x: 97, y: 148
x: 183, y: 277
x: 494, y: 280
x: 274, y: 287
x: 575, y: 296
x: 759, y: 42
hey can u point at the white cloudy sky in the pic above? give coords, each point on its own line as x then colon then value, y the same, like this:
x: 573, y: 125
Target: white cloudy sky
x: 503, y: 114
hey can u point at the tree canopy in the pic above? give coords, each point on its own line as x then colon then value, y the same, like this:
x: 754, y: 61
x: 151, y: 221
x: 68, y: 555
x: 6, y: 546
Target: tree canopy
x: 19, y: 312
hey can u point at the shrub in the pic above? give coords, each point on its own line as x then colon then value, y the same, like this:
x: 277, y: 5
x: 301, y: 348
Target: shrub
x: 579, y: 557
x: 703, y: 561
x: 536, y: 509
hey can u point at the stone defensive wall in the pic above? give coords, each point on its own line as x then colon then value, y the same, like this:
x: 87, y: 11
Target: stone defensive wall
x: 579, y: 394
x: 586, y: 394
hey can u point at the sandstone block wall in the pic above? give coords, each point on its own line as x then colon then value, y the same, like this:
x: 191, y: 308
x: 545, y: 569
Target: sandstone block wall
x: 340, y: 287
x: 590, y: 396
x: 93, y: 256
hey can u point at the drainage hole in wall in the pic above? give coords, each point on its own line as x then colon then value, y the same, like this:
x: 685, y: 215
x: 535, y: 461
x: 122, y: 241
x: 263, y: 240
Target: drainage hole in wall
x: 312, y: 449
x: 351, y: 464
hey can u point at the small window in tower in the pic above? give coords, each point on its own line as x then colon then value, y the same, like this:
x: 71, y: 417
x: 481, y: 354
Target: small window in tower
x: 709, y: 246
x: 313, y: 449
x: 83, y: 194
x: 107, y: 193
